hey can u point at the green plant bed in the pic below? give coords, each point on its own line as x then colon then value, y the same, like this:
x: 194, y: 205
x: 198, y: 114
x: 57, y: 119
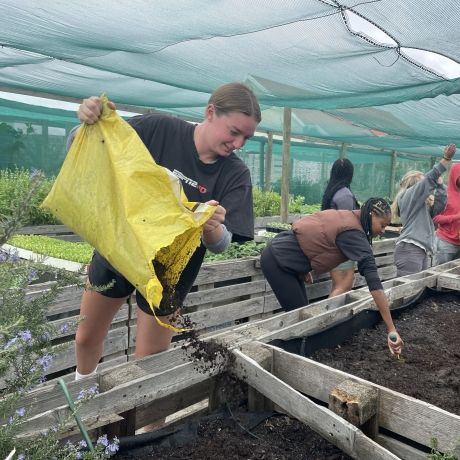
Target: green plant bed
x: 52, y: 247
x: 82, y: 252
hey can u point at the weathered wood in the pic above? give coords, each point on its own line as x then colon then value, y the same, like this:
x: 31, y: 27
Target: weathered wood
x: 226, y: 313
x: 406, y: 416
x: 403, y: 451
x: 312, y: 325
x: 354, y: 402
x: 121, y: 398
x: 116, y: 340
x: 164, y: 407
x: 224, y: 271
x: 449, y: 281
x: 224, y: 293
x: 62, y: 331
x: 49, y: 394
x: 329, y: 425
x: 256, y: 400
x: 45, y: 230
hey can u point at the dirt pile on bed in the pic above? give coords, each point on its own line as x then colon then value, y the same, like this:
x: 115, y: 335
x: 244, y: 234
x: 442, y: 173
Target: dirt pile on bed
x: 226, y: 437
x: 430, y: 366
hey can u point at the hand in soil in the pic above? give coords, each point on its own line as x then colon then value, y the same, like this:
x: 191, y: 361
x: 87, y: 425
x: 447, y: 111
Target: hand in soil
x: 395, y: 343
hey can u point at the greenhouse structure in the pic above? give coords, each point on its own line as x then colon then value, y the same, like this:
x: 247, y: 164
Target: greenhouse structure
x: 377, y: 82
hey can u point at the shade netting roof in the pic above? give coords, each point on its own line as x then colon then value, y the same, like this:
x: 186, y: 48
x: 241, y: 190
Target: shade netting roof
x: 346, y: 85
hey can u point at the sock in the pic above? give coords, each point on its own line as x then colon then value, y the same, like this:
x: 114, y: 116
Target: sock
x: 79, y: 376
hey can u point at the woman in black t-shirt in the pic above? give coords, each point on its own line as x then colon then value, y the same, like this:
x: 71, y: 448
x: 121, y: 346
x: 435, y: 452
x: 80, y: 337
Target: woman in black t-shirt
x: 202, y: 157
x: 338, y: 195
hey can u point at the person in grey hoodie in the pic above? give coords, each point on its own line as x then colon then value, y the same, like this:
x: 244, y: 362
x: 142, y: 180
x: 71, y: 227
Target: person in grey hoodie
x: 412, y: 205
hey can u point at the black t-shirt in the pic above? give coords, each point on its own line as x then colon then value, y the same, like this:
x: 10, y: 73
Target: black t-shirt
x: 228, y: 181
x: 170, y: 142
x: 355, y: 246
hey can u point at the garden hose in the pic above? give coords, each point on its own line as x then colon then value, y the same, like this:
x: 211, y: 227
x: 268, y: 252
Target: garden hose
x: 80, y: 424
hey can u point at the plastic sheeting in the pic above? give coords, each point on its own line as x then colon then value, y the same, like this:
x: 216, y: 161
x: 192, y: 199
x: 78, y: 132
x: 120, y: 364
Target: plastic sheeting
x: 112, y: 194
x: 173, y: 54
x: 344, y: 86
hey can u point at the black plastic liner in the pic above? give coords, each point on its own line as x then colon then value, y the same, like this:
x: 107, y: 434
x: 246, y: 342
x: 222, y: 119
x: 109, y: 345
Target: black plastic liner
x: 337, y: 334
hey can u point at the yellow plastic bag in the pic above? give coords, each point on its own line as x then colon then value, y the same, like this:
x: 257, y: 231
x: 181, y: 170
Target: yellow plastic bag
x: 133, y: 211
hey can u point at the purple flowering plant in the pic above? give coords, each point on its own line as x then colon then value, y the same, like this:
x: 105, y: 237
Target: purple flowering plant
x: 26, y: 336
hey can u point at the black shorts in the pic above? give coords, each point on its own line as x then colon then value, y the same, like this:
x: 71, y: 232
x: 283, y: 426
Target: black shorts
x: 101, y: 273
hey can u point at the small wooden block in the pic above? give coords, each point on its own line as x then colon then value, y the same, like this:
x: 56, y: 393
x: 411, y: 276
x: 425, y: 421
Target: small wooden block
x: 354, y: 402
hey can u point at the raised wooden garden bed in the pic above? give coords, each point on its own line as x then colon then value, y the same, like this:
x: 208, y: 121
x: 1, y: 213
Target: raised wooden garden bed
x: 232, y: 305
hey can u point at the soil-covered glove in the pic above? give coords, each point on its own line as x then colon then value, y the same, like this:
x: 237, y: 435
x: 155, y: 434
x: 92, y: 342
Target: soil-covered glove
x: 449, y: 151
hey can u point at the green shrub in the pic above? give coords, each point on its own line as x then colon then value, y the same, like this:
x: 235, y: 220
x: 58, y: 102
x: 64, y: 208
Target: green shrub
x: 269, y: 204
x: 266, y: 203
x: 16, y: 183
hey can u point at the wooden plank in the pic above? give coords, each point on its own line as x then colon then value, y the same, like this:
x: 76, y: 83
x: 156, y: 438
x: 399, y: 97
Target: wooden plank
x: 62, y: 331
x: 329, y: 425
x: 314, y: 324
x: 223, y: 314
x: 449, y: 281
x: 401, y: 414
x: 227, y: 270
x: 224, y: 293
x: 403, y: 451
x: 45, y: 230
x: 116, y: 340
x: 120, y: 399
x: 384, y: 246
x: 49, y: 395
x: 164, y: 407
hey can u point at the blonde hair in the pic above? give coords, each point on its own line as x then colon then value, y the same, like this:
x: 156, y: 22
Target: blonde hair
x: 408, y: 180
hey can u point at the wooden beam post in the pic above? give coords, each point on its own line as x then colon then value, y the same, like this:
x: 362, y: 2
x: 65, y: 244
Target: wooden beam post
x: 264, y: 357
x: 262, y: 166
x: 356, y: 403
x: 285, y: 173
x: 268, y: 162
x: 394, y: 157
x: 343, y: 150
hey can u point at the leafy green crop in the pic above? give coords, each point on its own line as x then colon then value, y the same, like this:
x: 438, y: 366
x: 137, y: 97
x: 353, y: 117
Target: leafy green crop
x: 237, y: 251
x: 52, y: 247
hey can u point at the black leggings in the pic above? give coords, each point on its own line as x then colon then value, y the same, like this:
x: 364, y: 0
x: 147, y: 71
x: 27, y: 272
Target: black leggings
x: 288, y: 285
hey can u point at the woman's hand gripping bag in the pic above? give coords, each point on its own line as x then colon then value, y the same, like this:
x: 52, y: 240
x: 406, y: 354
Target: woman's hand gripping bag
x: 133, y: 211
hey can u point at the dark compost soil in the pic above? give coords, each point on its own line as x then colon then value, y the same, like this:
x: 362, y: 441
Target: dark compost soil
x: 428, y: 370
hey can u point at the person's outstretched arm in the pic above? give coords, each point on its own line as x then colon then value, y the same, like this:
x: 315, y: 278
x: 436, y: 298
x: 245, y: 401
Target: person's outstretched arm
x: 354, y: 245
